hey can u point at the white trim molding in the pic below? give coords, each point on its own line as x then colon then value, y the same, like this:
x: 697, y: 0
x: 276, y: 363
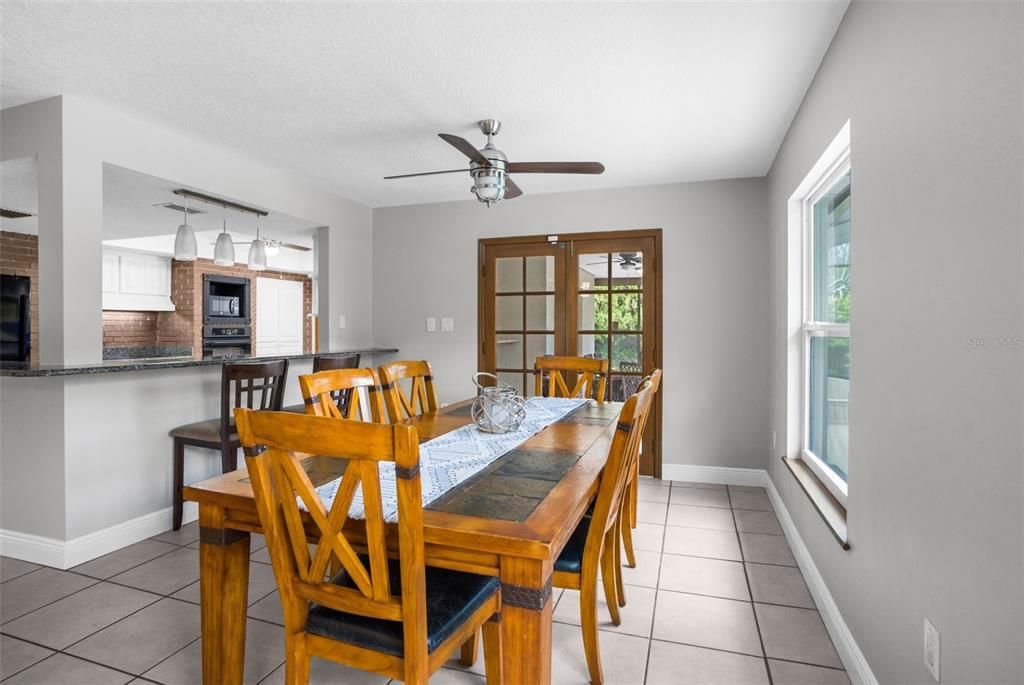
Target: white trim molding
x: 854, y: 661
x: 65, y: 554
x: 721, y: 475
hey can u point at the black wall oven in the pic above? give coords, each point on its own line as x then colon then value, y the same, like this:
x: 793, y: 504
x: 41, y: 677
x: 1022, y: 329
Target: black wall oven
x: 226, y: 324
x: 15, y: 309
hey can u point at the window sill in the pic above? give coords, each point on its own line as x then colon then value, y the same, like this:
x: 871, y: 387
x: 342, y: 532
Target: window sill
x: 828, y: 507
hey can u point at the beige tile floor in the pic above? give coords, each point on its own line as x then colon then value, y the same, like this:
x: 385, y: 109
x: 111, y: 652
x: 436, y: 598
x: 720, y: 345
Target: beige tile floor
x: 716, y: 599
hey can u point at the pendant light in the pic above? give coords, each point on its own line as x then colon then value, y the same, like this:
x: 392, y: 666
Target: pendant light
x: 258, y: 250
x: 185, y: 247
x: 224, y: 251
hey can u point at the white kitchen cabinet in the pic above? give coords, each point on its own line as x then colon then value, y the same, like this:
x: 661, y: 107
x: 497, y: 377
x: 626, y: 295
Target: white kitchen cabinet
x: 135, y: 281
x: 111, y: 273
x: 279, y: 317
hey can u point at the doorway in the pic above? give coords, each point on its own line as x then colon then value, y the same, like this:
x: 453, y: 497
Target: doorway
x: 581, y: 294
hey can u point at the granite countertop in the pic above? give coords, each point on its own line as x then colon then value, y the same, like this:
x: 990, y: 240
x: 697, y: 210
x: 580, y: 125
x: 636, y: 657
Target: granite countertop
x: 34, y: 369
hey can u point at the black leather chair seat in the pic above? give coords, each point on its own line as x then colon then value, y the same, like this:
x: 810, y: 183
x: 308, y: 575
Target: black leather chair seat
x: 452, y: 597
x: 203, y: 431
x: 571, y: 558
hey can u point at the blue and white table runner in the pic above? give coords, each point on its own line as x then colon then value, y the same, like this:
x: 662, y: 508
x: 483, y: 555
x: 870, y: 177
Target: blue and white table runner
x: 454, y: 457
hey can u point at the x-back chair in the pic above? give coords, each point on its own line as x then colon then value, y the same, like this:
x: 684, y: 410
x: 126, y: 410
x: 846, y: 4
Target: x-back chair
x: 392, y: 616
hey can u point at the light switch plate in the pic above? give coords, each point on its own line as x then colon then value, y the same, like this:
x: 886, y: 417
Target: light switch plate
x: 931, y: 649
x: 431, y: 324
x: 447, y: 324
x: 341, y: 321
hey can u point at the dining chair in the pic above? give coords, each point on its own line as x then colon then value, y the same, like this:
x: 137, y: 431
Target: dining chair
x: 591, y: 547
x: 629, y: 504
x: 321, y: 393
x: 391, y: 616
x: 253, y: 385
x: 327, y: 363
x: 422, y: 395
x: 549, y: 377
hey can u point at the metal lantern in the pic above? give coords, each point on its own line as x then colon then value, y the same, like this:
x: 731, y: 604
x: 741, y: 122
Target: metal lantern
x: 498, y: 408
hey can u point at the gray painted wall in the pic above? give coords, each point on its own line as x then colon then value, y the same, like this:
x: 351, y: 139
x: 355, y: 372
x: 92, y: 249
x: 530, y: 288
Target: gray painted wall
x: 934, y: 94
x: 716, y: 320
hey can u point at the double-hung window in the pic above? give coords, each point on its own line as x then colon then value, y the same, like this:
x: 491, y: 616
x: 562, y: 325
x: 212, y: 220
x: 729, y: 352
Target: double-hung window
x: 825, y: 331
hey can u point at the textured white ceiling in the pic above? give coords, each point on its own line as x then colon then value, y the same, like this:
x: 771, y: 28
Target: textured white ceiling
x: 348, y: 93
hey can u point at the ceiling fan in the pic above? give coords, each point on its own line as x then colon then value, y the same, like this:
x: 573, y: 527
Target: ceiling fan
x: 629, y: 261
x: 276, y: 245
x: 491, y: 169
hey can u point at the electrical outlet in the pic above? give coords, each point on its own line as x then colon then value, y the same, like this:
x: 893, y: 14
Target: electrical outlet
x: 431, y: 324
x: 447, y: 324
x: 341, y: 321
x: 931, y: 649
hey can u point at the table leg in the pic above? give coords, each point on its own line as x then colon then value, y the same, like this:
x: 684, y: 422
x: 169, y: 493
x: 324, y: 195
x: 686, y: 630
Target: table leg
x: 526, y: 620
x: 223, y: 591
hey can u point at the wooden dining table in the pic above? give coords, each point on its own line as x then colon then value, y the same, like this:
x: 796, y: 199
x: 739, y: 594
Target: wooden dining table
x: 511, y: 520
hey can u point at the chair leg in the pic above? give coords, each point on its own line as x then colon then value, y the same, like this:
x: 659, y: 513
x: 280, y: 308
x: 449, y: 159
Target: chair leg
x: 611, y: 595
x: 634, y: 495
x: 492, y: 650
x: 228, y: 458
x: 179, y: 482
x: 468, y: 654
x: 296, y: 665
x: 627, y: 532
x: 617, y: 565
x: 588, y: 619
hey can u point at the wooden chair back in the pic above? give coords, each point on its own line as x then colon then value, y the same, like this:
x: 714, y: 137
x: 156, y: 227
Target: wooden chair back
x: 275, y: 443
x: 320, y: 363
x: 320, y: 392
x: 591, y: 377
x: 252, y: 385
x: 422, y: 395
x: 622, y: 455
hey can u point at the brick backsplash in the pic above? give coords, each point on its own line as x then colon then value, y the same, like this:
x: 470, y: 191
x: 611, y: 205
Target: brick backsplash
x: 130, y: 329
x: 19, y: 256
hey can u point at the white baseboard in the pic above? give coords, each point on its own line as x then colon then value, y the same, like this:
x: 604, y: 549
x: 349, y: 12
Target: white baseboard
x: 65, y: 554
x: 713, y: 474
x: 853, y: 659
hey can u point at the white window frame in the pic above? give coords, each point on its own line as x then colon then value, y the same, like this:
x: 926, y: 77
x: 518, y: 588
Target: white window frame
x: 832, y: 165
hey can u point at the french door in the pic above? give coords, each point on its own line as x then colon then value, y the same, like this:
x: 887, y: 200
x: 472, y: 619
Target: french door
x: 592, y: 294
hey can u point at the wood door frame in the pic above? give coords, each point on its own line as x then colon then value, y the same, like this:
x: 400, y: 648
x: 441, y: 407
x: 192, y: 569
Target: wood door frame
x: 562, y: 238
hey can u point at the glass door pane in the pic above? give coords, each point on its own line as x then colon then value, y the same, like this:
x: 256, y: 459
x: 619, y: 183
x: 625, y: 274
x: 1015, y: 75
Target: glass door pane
x: 523, y: 316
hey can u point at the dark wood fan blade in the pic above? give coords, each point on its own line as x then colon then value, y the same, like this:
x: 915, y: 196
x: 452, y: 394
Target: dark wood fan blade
x: 511, y: 189
x: 555, y: 168
x: 428, y: 173
x: 465, y: 147
x: 293, y: 246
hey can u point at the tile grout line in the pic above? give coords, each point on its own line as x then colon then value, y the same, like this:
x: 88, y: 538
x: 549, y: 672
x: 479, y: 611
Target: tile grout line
x: 657, y: 584
x: 750, y: 590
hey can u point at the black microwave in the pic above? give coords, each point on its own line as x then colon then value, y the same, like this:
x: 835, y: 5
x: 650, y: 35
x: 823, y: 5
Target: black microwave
x: 224, y: 305
x: 225, y: 300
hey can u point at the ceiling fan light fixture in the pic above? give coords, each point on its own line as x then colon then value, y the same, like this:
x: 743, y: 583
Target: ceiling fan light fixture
x: 489, y: 184
x: 224, y: 250
x: 185, y: 248
x: 271, y: 247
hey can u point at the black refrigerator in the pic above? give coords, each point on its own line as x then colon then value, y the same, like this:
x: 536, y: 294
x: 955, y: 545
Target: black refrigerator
x: 15, y: 305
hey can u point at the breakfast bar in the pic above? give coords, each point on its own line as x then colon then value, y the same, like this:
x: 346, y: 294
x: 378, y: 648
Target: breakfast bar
x: 90, y: 440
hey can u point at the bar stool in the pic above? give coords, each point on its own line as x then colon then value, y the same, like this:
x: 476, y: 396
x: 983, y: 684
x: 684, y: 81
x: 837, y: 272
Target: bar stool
x: 341, y: 397
x: 239, y: 386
